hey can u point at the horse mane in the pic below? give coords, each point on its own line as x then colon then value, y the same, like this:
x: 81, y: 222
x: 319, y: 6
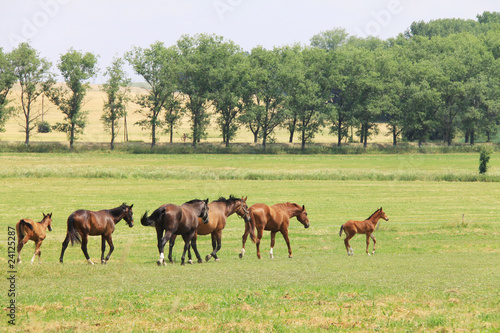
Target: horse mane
x: 373, y: 214
x: 232, y: 198
x: 193, y: 201
x: 115, y: 212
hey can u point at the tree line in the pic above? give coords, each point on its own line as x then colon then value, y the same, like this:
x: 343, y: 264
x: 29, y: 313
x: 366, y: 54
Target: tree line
x: 437, y: 80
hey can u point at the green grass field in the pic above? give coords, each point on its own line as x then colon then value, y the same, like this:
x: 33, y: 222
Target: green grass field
x: 436, y: 267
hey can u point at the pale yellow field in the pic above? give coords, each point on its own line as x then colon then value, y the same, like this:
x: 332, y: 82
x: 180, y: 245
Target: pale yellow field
x: 94, y: 131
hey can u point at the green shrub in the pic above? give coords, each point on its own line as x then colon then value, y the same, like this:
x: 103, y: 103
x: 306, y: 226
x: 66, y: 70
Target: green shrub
x: 44, y: 127
x: 484, y: 158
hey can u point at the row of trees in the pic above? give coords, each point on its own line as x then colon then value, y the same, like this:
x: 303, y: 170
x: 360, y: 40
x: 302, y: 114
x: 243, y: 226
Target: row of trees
x: 434, y: 81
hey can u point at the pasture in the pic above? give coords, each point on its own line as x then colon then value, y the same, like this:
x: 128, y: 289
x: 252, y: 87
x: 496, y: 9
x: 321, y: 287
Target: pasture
x: 436, y: 267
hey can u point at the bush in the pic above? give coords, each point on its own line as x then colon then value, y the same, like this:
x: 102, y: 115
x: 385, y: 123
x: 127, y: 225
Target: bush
x: 484, y: 158
x: 44, y: 127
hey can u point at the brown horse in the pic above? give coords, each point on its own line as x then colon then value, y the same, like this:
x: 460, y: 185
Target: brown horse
x: 179, y: 220
x: 218, y: 212
x: 101, y: 223
x: 273, y: 218
x: 28, y: 230
x: 366, y: 227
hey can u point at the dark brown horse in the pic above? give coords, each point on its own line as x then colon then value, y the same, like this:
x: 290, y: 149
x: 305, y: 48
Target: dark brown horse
x: 177, y: 220
x: 28, y: 230
x: 84, y: 223
x: 366, y: 227
x: 273, y: 218
x: 219, y: 211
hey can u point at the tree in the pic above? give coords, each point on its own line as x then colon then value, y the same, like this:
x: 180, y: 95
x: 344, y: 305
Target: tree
x: 76, y: 68
x: 7, y: 79
x: 330, y: 39
x: 306, y: 90
x: 201, y: 55
x: 117, y: 90
x: 269, y: 89
x: 158, y: 66
x: 33, y: 74
x: 232, y: 91
x: 173, y: 112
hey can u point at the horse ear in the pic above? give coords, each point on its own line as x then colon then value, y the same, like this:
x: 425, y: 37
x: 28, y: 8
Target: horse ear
x: 206, y: 201
x: 245, y: 198
x: 44, y: 214
x: 50, y: 215
x: 132, y: 205
x: 303, y: 207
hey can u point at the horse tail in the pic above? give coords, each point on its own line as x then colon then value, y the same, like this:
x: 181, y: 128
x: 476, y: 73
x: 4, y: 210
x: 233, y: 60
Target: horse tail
x: 23, y: 224
x: 147, y: 221
x: 251, y: 226
x: 72, y: 233
x: 341, y: 229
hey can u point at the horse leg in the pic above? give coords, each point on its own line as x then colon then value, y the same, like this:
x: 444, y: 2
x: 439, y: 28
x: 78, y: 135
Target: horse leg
x: 64, y: 246
x: 273, y: 239
x: 103, y: 249
x: 287, y: 240
x: 367, y: 243
x: 187, y: 243
x: 20, y: 244
x: 171, y: 244
x: 85, y: 240
x: 244, y: 240
x: 109, y: 239
x: 195, y: 249
x: 214, y: 247
x: 260, y: 233
x: 348, y: 247
x: 219, y: 244
x: 37, y: 251
x: 374, y: 243
x: 162, y: 240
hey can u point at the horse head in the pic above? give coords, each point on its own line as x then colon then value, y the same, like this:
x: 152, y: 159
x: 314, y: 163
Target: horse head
x: 204, y: 211
x: 302, y: 217
x: 47, y: 218
x: 383, y: 215
x: 129, y: 215
x: 242, y: 211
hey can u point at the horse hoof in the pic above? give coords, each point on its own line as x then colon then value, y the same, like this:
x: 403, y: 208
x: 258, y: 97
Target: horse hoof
x: 217, y: 259
x: 160, y: 262
x: 190, y: 261
x: 103, y: 262
x: 19, y: 261
x: 90, y: 262
x: 207, y: 258
x: 240, y: 255
x: 290, y: 256
x: 271, y: 256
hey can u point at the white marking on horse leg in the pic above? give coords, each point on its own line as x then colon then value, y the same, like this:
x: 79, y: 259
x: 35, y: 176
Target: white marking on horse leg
x: 271, y: 253
x: 242, y: 253
x: 162, y: 256
x: 90, y: 261
x: 33, y: 259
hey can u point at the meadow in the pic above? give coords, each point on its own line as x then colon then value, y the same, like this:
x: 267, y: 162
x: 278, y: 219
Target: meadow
x: 436, y: 267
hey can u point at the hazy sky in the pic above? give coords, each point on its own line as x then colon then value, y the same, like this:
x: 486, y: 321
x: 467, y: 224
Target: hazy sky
x: 112, y: 27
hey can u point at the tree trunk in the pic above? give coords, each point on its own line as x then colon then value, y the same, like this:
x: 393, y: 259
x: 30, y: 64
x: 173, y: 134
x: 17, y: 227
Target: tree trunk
x: 153, y: 135
x: 472, y: 138
x: 112, y: 136
x: 292, y: 130
x: 27, y: 137
x: 171, y: 133
x: 339, y: 135
x: 394, y: 136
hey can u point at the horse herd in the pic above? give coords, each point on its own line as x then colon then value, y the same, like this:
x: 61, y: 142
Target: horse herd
x: 192, y: 218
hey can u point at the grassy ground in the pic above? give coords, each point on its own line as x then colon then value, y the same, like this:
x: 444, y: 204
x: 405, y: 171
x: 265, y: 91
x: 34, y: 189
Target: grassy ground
x: 436, y: 267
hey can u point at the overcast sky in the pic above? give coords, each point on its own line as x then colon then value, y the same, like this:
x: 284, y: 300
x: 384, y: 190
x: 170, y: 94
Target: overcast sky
x: 112, y: 27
